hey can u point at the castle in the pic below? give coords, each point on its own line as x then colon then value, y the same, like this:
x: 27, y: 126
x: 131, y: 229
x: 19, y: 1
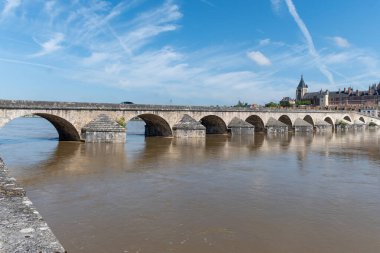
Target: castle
x: 345, y: 97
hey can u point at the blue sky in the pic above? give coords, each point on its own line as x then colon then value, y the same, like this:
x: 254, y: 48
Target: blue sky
x: 196, y: 52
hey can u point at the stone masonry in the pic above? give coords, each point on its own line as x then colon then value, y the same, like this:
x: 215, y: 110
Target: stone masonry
x: 188, y: 127
x: 103, y: 129
x: 240, y: 127
x: 302, y: 126
x: 69, y: 118
x: 22, y: 229
x: 275, y: 126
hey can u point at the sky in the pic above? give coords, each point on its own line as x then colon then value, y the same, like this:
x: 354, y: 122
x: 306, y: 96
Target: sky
x: 185, y: 52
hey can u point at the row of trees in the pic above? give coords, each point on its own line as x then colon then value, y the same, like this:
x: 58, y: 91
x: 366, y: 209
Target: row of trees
x: 287, y: 103
x: 241, y: 104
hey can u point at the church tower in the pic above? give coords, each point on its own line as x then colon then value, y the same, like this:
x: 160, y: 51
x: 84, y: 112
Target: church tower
x: 301, y: 89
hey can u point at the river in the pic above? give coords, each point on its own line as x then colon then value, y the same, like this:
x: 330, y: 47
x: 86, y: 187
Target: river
x: 268, y: 194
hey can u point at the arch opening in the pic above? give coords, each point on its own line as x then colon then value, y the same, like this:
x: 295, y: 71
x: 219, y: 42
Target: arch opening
x: 309, y: 119
x: 155, y: 125
x: 286, y: 120
x: 214, y: 125
x: 347, y: 118
x: 362, y: 119
x: 257, y: 122
x: 330, y: 121
x: 66, y: 131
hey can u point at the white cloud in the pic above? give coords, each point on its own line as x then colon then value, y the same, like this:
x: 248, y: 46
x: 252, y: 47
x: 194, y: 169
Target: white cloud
x: 309, y: 41
x: 259, y: 58
x: 50, y: 46
x: 9, y: 7
x: 341, y: 42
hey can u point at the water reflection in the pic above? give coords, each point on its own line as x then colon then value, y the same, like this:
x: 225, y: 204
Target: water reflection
x: 266, y: 193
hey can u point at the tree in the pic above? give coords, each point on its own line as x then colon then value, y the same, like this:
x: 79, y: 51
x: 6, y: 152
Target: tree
x: 241, y: 104
x: 303, y: 102
x: 285, y: 103
x: 271, y: 104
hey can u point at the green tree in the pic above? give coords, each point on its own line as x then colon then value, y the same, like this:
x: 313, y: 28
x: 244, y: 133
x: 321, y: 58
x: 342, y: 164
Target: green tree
x: 303, y: 102
x: 271, y: 104
x: 285, y: 103
x: 241, y: 104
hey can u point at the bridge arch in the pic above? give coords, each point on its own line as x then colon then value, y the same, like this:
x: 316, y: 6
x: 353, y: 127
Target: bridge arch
x: 362, y: 119
x: 214, y: 124
x: 155, y: 125
x: 330, y: 121
x: 348, y: 118
x: 286, y: 120
x: 66, y: 131
x: 309, y: 119
x: 257, y: 122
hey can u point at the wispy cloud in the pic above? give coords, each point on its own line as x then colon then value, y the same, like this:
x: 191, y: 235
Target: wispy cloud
x: 126, y: 48
x: 208, y: 3
x: 259, y: 58
x: 276, y: 5
x: 264, y: 42
x: 9, y: 7
x: 341, y: 42
x: 309, y: 41
x: 50, y: 46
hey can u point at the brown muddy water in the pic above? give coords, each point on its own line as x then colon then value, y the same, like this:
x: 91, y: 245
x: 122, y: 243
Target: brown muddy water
x: 284, y: 194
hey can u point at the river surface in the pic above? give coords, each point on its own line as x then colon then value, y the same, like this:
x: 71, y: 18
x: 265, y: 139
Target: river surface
x: 284, y: 194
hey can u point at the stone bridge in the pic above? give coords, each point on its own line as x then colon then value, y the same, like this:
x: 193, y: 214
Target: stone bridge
x: 71, y: 118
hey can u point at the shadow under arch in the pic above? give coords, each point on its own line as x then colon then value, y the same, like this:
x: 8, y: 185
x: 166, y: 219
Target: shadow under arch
x: 362, y: 119
x: 286, y: 120
x: 330, y: 121
x: 66, y: 131
x: 155, y: 125
x: 309, y: 119
x: 347, y: 118
x: 257, y: 122
x: 214, y: 124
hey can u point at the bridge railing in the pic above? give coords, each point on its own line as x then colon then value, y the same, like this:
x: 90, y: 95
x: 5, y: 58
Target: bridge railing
x: 45, y: 105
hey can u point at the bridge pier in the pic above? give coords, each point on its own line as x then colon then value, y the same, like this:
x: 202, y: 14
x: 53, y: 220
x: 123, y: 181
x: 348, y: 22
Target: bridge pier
x: 276, y: 126
x: 188, y: 127
x: 103, y: 129
x: 302, y: 126
x: 240, y: 127
x: 323, y: 126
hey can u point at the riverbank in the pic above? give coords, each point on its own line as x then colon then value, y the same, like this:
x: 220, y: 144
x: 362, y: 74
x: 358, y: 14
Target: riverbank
x: 22, y: 229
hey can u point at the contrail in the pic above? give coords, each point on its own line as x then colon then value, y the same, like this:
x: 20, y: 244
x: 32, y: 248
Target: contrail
x: 309, y: 40
x: 30, y: 64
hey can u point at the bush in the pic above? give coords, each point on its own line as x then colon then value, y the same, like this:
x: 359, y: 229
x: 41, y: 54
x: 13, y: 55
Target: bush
x: 342, y: 124
x: 121, y: 122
